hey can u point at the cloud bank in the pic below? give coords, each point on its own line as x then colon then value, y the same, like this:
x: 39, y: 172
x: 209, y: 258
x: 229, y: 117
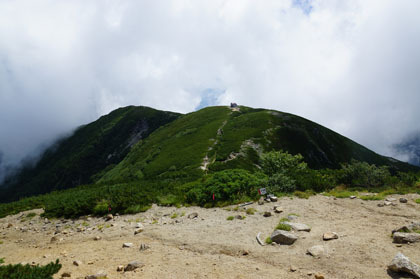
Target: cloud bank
x: 349, y: 65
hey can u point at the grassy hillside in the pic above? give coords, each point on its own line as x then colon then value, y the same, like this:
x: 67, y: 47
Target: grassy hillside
x: 92, y: 149
x: 234, y: 139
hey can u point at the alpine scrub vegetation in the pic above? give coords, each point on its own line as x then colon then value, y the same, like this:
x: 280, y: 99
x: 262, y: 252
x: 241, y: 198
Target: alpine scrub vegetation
x: 19, y: 271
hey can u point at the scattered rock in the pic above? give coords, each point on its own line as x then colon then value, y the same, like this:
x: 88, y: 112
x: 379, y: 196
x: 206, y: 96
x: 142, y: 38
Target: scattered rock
x: 273, y: 198
x: 283, y: 237
x: 381, y: 205
x: 292, y: 217
x: 144, y: 247
x: 292, y: 268
x: 120, y: 268
x: 259, y: 239
x: 278, y: 209
x: 245, y: 253
x: 403, y: 200
x: 319, y: 276
x: 66, y: 274
x: 261, y: 201
x: 77, y: 263
x: 139, y: 230
x: 109, y: 217
x: 267, y: 214
x: 352, y: 197
x: 401, y: 263
x: 330, y: 236
x: 402, y: 237
x: 100, y: 275
x: 139, y: 226
x: 316, y: 251
x: 53, y: 239
x: 133, y: 265
x: 193, y: 215
x: 127, y: 245
x: 97, y: 237
x: 391, y: 199
x: 239, y: 217
x: 9, y: 225
x: 298, y: 226
x: 387, y: 203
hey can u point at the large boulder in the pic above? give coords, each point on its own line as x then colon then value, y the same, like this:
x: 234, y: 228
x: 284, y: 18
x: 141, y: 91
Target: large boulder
x: 401, y: 263
x: 401, y: 237
x: 283, y: 237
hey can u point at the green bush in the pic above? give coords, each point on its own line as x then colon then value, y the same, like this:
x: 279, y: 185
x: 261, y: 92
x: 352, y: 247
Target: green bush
x: 101, y: 208
x: 230, y: 218
x: 19, y: 271
x: 268, y: 240
x: 228, y: 185
x: 361, y: 174
x: 283, y: 227
x: 418, y: 201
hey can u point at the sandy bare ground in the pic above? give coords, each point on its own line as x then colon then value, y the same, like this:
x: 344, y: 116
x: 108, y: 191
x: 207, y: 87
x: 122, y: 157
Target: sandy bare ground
x: 212, y: 247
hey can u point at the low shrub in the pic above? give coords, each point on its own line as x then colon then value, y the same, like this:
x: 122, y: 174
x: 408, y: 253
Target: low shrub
x: 18, y: 271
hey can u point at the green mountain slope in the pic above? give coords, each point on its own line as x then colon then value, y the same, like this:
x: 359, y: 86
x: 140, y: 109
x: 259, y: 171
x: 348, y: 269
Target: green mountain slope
x: 217, y: 138
x: 92, y: 149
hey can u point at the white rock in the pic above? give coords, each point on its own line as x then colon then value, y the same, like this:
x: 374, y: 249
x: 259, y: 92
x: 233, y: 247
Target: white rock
x: 127, y: 245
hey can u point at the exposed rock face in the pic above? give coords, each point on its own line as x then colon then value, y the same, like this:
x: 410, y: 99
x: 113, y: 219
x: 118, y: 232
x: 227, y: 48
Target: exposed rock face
x: 283, y: 237
x: 330, y: 236
x: 298, y: 226
x: 401, y: 237
x: 133, y: 265
x: 403, y: 264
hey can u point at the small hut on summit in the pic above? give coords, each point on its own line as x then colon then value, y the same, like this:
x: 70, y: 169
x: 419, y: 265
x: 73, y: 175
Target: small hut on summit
x: 233, y: 105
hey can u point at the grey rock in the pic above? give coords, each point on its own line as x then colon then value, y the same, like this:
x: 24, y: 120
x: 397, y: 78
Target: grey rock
x: 292, y: 217
x: 402, y: 237
x: 278, y: 209
x: 403, y: 200
x: 316, y: 251
x: 239, y: 217
x: 139, y: 226
x: 298, y: 226
x: 100, y: 275
x: 352, y: 197
x: 401, y: 263
x: 283, y: 237
x: 391, y: 199
x: 273, y: 199
x: 133, y: 265
x: 193, y: 215
x: 97, y: 237
x: 387, y: 203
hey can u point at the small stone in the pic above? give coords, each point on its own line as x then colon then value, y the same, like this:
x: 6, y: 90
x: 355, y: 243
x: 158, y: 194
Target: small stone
x: 97, y: 238
x: 133, y: 265
x: 352, y: 197
x: 53, y: 239
x: 109, y: 217
x: 9, y: 225
x: 120, y: 268
x: 391, y: 199
x: 403, y: 200
x: 316, y: 251
x: 273, y: 198
x: 139, y: 226
x: 193, y: 215
x: 293, y: 268
x: 330, y: 236
x: 245, y: 253
x: 77, y: 263
x: 267, y: 214
x: 127, y: 245
x: 319, y: 276
x: 66, y: 274
x: 278, y: 209
x: 144, y: 247
x: 381, y: 205
x: 387, y: 203
x: 239, y: 217
x: 137, y: 231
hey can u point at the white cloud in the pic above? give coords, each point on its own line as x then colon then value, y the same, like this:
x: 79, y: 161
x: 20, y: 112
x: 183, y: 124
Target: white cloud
x: 350, y: 65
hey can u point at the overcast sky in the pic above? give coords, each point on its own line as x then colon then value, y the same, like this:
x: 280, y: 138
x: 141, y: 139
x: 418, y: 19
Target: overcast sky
x: 353, y: 66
